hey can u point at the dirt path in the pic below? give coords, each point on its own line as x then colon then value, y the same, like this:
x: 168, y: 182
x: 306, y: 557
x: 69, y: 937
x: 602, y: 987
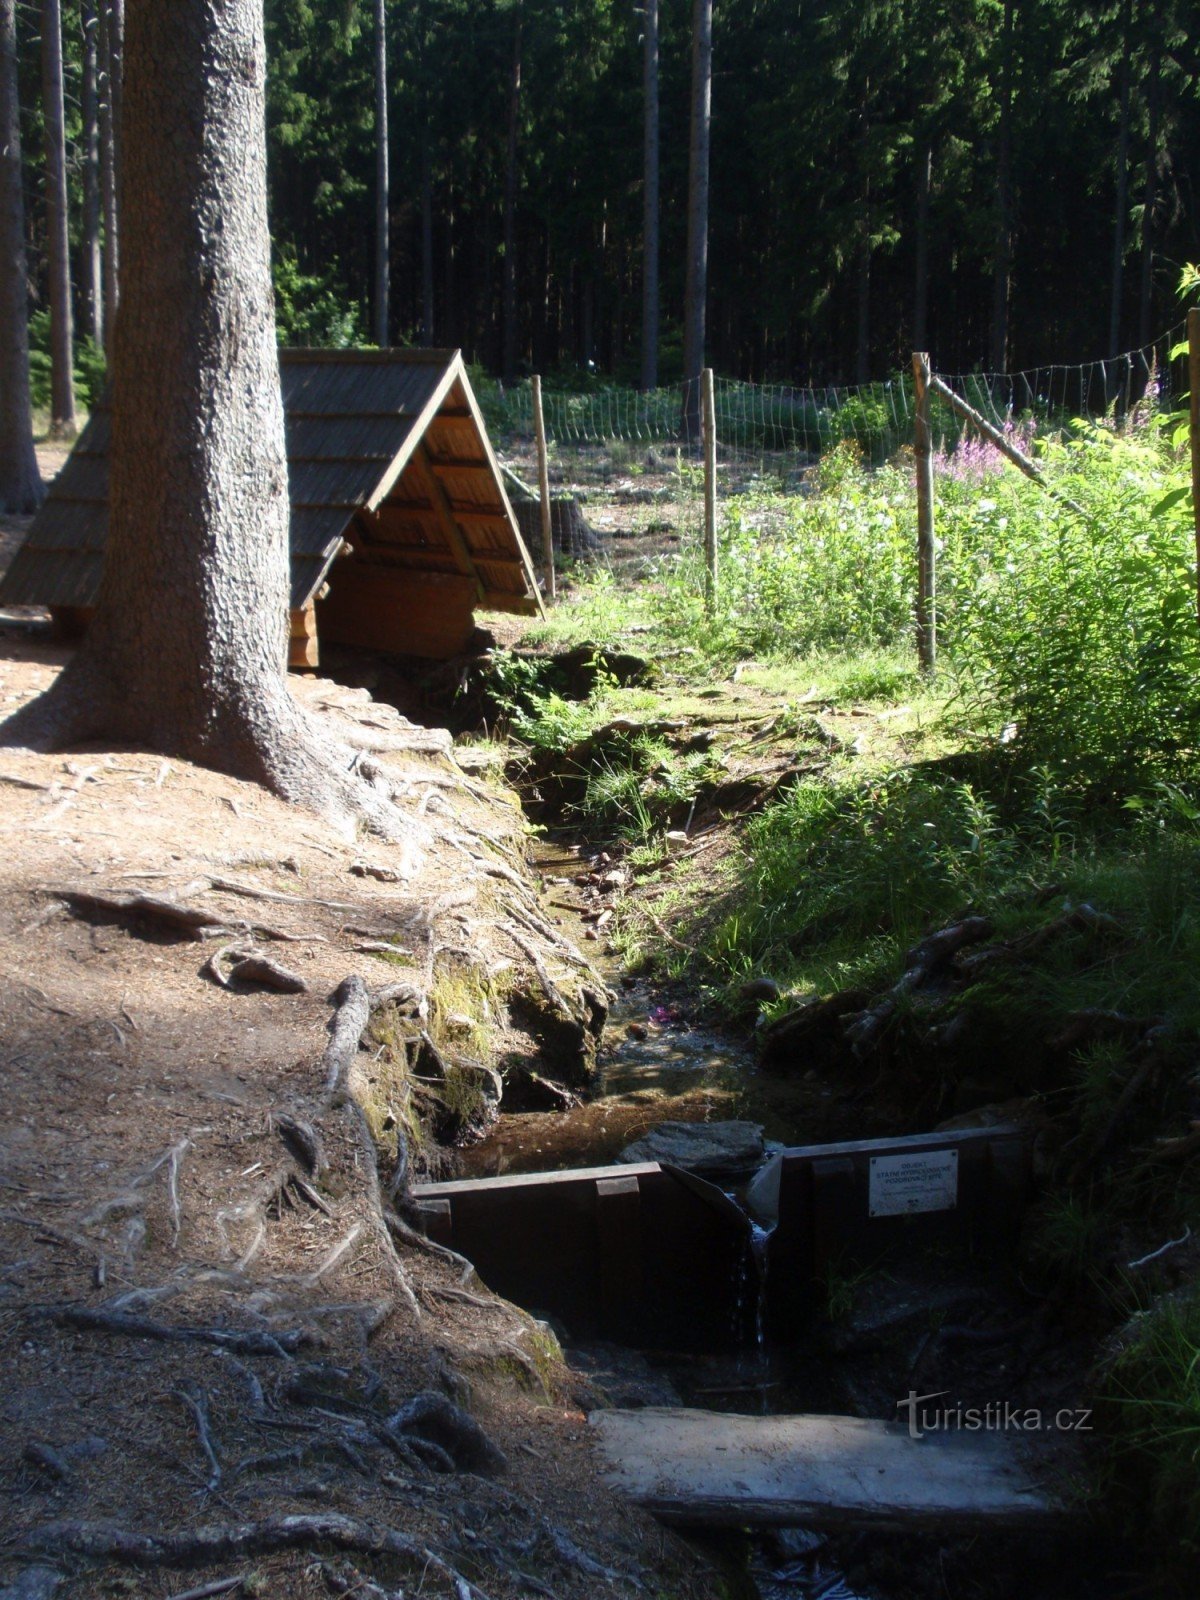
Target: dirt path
x: 151, y: 1170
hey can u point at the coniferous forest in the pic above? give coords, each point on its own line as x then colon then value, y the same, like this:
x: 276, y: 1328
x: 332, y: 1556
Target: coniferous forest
x: 1004, y: 181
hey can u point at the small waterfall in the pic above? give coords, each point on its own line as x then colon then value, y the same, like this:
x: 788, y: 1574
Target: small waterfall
x: 750, y: 1292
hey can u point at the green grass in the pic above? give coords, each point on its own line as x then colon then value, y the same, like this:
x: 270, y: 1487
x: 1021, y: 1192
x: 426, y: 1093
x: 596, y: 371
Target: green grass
x: 1150, y: 1410
x: 1054, y: 762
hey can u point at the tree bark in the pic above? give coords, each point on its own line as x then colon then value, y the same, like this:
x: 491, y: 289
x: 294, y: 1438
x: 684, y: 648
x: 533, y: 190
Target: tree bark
x: 1002, y: 262
x: 1150, y: 195
x: 93, y: 268
x: 1121, y: 206
x: 186, y: 651
x: 650, y: 199
x: 921, y: 287
x: 508, y: 360
x: 109, y: 43
x: 62, y: 343
x: 20, y: 481
x: 426, y: 241
x: 383, y: 261
x: 862, y: 295
x: 696, y: 289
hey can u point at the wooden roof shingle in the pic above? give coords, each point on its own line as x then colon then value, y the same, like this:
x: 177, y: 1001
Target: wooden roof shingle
x: 366, y: 429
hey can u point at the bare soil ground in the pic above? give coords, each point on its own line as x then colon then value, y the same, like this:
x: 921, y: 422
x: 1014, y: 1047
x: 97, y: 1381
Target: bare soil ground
x: 207, y: 1332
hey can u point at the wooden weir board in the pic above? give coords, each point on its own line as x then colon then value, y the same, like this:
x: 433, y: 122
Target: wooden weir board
x: 688, y: 1466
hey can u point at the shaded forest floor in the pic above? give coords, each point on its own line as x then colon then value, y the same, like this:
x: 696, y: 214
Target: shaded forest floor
x: 204, y: 1322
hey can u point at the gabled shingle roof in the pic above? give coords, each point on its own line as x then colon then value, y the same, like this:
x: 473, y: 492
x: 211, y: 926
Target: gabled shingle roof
x: 356, y: 421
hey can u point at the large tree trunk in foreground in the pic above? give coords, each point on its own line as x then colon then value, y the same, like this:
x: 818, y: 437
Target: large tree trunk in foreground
x: 93, y: 268
x: 20, y: 481
x: 187, y: 648
x: 111, y: 28
x: 62, y: 341
x: 696, y: 291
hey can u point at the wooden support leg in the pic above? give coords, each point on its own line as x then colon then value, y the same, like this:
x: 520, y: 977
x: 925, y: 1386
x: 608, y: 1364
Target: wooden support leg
x: 303, y: 651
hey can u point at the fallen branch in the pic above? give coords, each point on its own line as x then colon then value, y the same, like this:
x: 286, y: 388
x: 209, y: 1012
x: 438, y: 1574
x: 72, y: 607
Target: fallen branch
x: 106, y: 1541
x: 1171, y: 1244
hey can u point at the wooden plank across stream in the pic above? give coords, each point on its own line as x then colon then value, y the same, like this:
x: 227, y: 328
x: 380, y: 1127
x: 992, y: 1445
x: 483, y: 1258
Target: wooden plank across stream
x: 689, y: 1466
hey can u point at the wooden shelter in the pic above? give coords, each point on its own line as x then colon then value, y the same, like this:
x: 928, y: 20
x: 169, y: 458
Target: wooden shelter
x: 400, y: 522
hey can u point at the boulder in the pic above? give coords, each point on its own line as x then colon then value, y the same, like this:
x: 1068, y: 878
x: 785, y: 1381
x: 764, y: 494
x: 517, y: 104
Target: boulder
x: 708, y: 1147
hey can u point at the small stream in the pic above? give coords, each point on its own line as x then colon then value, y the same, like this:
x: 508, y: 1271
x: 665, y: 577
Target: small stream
x: 657, y: 1063
x: 661, y: 1063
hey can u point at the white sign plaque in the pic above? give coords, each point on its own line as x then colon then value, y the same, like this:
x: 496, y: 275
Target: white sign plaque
x: 926, y: 1180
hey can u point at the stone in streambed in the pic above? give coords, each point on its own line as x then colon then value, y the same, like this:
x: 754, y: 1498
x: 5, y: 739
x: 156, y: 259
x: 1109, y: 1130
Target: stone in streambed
x: 706, y: 1147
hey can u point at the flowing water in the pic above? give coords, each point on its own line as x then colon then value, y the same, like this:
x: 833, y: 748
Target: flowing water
x: 660, y: 1062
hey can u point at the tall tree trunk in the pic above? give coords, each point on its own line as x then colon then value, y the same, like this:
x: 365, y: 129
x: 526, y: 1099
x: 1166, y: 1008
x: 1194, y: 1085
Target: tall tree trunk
x: 696, y: 288
x: 450, y: 326
x: 93, y: 269
x: 862, y: 295
x: 62, y: 344
x: 1150, y: 196
x: 426, y: 241
x: 650, y: 199
x: 508, y: 360
x: 109, y: 42
x: 1002, y: 257
x: 862, y: 309
x: 20, y: 481
x: 383, y: 209
x: 920, y: 329
x: 1121, y: 206
x: 187, y: 648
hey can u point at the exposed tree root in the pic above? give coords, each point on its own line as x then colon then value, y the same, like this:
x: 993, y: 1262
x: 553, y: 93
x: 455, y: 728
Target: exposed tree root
x: 106, y: 1541
x: 922, y: 961
x: 252, y: 730
x: 240, y: 1342
x: 346, y: 1031
x: 249, y: 966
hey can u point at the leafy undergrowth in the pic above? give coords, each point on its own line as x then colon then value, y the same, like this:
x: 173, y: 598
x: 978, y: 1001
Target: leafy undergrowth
x: 1040, y: 798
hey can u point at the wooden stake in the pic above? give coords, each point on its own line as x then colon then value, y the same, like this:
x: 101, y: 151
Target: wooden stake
x: 926, y: 556
x: 1006, y: 447
x: 708, y: 402
x: 1193, y: 330
x: 539, y: 423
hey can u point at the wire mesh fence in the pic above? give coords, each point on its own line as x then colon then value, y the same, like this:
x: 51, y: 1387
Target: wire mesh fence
x: 618, y: 446
x: 764, y: 420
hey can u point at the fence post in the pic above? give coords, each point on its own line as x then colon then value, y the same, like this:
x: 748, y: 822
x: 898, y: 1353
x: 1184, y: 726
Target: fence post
x: 1193, y: 331
x: 710, y: 491
x: 539, y: 423
x: 926, y: 569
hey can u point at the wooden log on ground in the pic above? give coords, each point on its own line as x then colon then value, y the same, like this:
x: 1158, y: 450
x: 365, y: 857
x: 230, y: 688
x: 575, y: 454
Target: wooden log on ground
x: 701, y: 1467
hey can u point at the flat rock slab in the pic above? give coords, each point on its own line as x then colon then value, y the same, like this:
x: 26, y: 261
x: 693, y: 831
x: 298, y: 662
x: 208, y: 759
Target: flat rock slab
x: 690, y: 1466
x: 709, y: 1147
